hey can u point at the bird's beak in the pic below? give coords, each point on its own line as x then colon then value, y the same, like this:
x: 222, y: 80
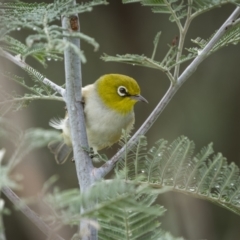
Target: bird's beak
x: 139, y: 98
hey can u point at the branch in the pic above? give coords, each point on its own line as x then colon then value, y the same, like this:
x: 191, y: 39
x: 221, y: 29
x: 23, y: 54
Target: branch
x: 230, y: 22
x: 83, y: 162
x: 31, y: 98
x: 29, y: 213
x: 22, y: 64
x: 109, y: 165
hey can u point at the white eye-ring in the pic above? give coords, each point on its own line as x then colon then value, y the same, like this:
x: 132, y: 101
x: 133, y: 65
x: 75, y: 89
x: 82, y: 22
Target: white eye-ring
x: 122, y: 91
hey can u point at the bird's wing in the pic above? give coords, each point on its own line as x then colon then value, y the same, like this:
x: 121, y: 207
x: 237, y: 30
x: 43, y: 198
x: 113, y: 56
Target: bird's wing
x: 85, y: 93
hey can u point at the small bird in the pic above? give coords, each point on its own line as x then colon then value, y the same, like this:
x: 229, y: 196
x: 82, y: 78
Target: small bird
x: 108, y: 109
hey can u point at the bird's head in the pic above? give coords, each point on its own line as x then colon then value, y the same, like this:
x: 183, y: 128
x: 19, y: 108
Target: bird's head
x: 119, y: 92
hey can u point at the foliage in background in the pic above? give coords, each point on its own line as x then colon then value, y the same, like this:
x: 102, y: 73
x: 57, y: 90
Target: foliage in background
x: 46, y: 39
x: 123, y: 206
x: 45, y: 42
x: 182, y: 14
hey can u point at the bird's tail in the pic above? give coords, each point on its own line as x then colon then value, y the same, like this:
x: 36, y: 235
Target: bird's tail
x: 60, y: 150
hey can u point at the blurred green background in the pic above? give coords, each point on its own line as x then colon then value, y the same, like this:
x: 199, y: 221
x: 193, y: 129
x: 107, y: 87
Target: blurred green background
x: 206, y: 109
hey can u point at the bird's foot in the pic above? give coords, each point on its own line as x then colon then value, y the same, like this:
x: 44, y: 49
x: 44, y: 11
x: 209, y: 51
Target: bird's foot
x: 90, y: 152
x: 95, y: 156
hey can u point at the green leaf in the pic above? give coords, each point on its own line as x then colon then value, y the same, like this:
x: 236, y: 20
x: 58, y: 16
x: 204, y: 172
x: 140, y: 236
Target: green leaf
x: 177, y: 9
x: 134, y: 59
x: 212, y: 179
x: 232, y: 36
x: 175, y: 167
x: 202, y: 6
x: 46, y: 42
x: 123, y: 210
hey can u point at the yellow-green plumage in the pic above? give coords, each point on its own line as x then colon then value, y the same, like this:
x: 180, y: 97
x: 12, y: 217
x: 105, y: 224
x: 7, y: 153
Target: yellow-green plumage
x: 107, y: 87
x: 108, y: 109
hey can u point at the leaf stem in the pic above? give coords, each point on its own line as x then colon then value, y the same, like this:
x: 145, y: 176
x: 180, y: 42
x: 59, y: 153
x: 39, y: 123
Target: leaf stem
x: 182, y: 32
x: 155, y: 44
x: 158, y: 66
x: 178, y: 22
x: 22, y: 84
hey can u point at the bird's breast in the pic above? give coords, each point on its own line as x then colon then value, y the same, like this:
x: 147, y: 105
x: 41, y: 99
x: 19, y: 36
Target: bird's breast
x: 104, y: 125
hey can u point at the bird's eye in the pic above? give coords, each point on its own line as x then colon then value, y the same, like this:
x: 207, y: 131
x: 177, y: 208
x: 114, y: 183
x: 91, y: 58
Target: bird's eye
x: 122, y: 91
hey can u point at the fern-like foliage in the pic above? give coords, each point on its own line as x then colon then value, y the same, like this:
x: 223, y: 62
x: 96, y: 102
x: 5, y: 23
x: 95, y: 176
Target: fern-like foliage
x: 39, y: 91
x: 123, y: 209
x: 202, y: 6
x: 130, y: 167
x: 178, y: 9
x: 46, y: 41
x: 132, y: 223
x: 134, y: 59
x: 203, y: 175
x: 232, y: 36
x: 167, y: 64
x: 38, y: 51
x: 24, y: 141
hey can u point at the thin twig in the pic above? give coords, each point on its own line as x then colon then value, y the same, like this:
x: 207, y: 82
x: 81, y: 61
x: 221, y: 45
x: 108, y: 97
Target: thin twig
x: 31, y: 98
x: 22, y: 84
x: 159, y: 66
x: 173, y: 13
x: 155, y: 44
x: 29, y: 213
x: 22, y: 64
x: 182, y: 32
x: 109, y: 165
x: 208, y: 8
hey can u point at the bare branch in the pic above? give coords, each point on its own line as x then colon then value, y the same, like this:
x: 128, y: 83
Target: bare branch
x: 31, y: 98
x: 29, y: 213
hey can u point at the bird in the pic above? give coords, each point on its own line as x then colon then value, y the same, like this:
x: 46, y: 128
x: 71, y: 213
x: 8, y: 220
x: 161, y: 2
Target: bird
x: 108, y: 106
